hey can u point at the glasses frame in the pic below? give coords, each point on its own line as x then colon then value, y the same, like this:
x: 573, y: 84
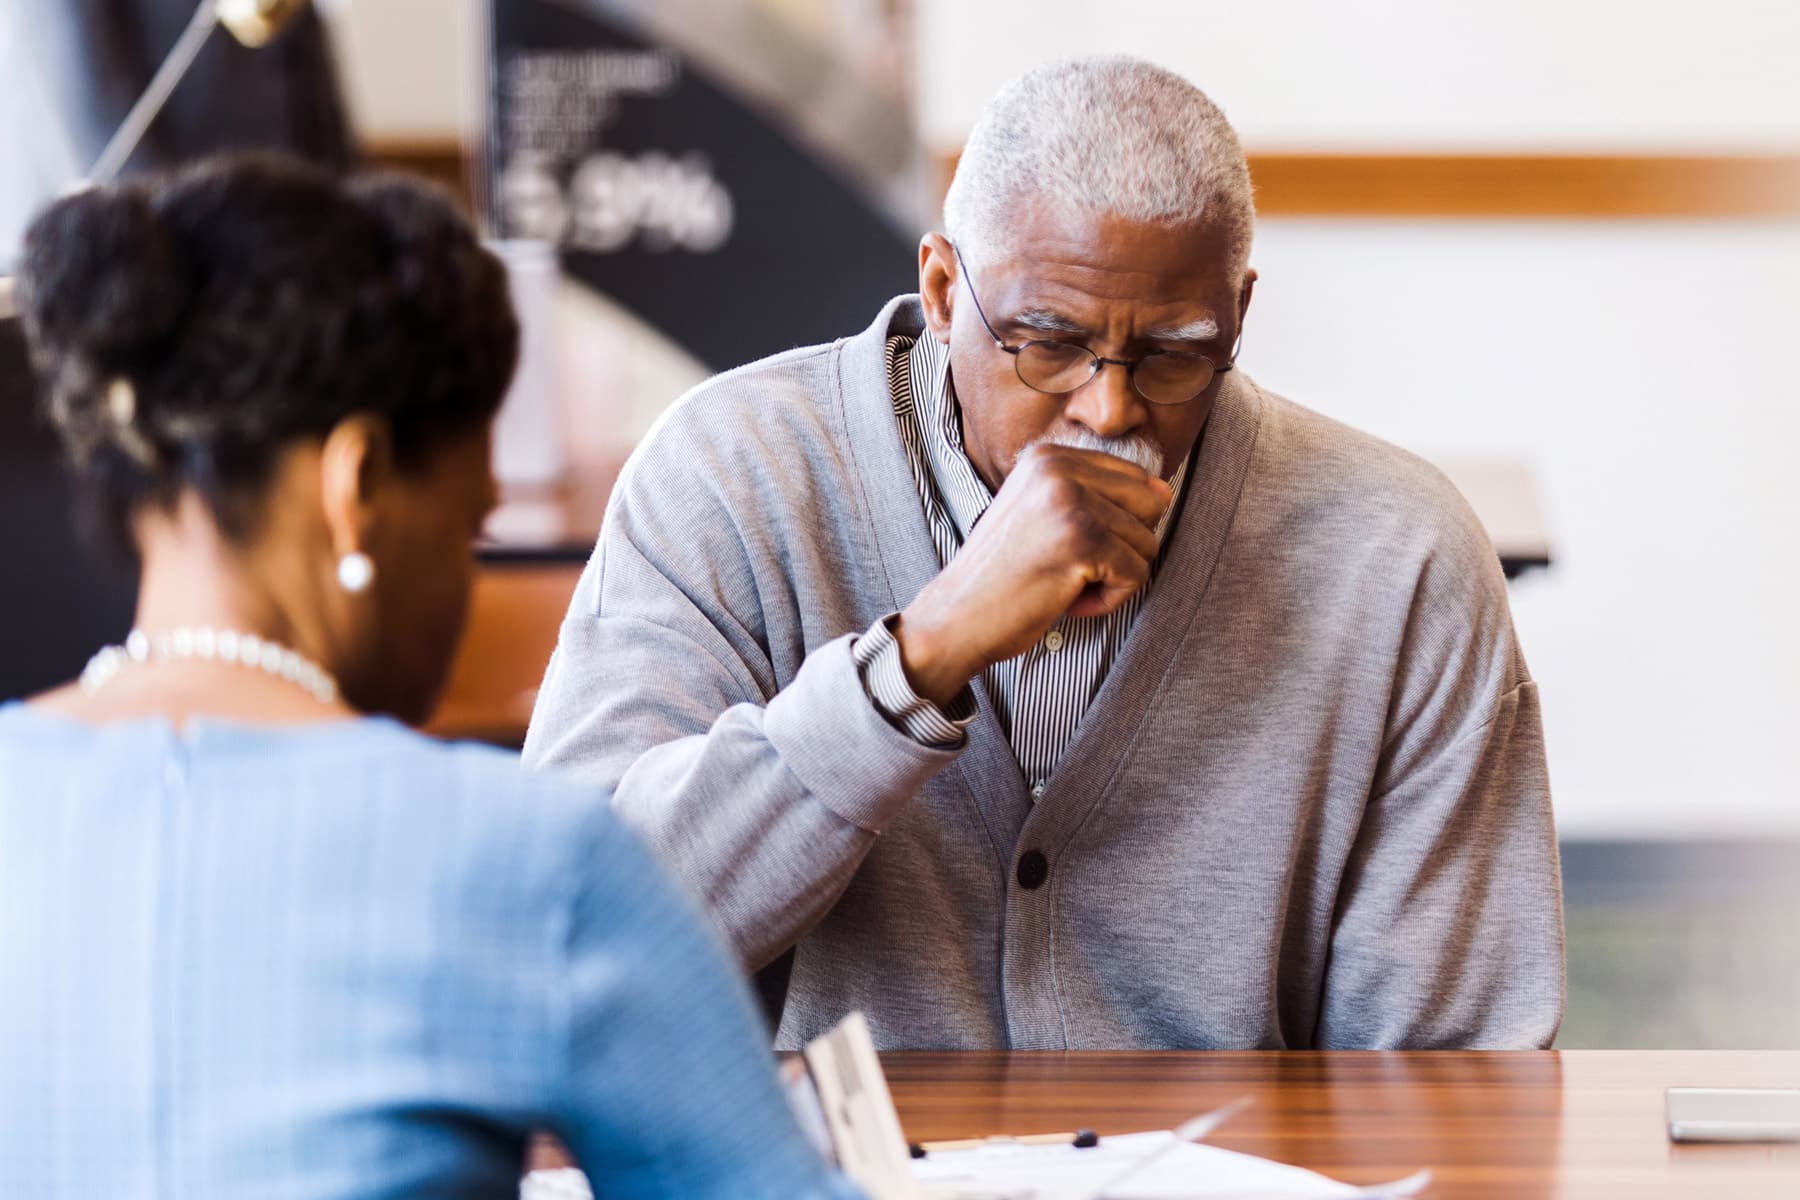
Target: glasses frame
x: 1131, y: 365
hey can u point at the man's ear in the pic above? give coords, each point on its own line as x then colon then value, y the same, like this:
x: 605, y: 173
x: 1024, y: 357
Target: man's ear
x: 1244, y: 296
x: 937, y: 284
x: 355, y: 464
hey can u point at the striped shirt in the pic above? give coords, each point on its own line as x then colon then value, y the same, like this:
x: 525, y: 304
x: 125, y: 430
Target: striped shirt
x: 1039, y: 696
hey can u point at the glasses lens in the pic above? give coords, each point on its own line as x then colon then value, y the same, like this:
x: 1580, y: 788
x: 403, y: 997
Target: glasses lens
x: 1172, y: 378
x: 1055, y: 367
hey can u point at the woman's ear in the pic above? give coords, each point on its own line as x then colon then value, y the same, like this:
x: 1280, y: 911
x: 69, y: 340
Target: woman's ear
x: 937, y: 284
x: 355, y: 464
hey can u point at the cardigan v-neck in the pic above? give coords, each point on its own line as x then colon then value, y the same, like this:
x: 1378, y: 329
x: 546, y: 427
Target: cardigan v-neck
x: 891, y: 504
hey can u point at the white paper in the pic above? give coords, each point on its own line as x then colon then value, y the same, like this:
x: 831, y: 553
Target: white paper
x: 1186, y: 1172
x: 1191, y: 1172
x: 557, y: 1183
x: 859, y: 1111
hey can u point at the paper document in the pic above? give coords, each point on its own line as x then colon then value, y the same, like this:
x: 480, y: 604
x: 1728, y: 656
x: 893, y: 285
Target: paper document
x: 859, y: 1110
x: 1188, y: 1171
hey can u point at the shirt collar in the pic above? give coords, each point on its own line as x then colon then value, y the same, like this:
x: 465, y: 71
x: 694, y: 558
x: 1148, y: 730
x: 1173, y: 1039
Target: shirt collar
x: 960, y: 488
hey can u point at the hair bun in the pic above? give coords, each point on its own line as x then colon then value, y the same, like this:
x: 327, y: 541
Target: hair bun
x: 102, y: 279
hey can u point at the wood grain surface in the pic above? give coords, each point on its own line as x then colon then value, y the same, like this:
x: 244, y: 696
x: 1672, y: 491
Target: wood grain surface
x: 1494, y: 1125
x: 515, y: 612
x: 1488, y: 1124
x: 1503, y: 186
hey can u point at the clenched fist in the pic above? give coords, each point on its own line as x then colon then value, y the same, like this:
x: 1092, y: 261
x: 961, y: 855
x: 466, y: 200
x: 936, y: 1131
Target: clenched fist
x: 1071, y: 532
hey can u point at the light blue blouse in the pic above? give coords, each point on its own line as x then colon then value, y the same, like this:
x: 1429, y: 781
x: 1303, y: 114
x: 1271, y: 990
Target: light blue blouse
x: 345, y: 960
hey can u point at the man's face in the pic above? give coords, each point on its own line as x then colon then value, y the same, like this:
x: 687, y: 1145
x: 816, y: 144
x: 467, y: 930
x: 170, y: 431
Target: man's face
x: 1122, y: 289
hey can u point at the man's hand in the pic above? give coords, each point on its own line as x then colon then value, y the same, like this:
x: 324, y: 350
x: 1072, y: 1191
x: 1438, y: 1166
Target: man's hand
x: 1071, y: 532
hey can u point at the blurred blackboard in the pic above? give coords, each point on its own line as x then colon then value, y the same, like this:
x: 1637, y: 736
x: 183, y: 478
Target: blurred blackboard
x: 690, y: 207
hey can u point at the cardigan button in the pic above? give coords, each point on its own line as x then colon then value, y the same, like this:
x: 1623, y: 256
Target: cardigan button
x: 1034, y: 868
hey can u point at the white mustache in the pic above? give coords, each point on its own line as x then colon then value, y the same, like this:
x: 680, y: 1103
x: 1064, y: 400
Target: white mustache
x: 1134, y: 448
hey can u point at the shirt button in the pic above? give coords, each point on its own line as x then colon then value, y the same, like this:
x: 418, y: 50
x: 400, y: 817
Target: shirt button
x: 1034, y: 868
x: 1053, y: 641
x: 1037, y: 790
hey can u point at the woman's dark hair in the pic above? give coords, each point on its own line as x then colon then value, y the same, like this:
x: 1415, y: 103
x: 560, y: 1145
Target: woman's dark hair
x: 188, y: 327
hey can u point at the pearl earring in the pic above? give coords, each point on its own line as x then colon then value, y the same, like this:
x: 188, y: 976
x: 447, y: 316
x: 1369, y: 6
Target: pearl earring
x: 356, y: 571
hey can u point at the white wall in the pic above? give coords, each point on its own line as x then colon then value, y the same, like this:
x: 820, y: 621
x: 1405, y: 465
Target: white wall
x: 1643, y: 370
x: 410, y: 69
x: 1418, y: 73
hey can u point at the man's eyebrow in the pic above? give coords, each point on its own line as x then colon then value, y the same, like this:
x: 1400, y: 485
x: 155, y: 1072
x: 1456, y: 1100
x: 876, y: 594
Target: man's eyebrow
x: 1203, y: 330
x: 1044, y: 320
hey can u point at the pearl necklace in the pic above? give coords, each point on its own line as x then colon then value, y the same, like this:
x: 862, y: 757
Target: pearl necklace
x: 208, y: 644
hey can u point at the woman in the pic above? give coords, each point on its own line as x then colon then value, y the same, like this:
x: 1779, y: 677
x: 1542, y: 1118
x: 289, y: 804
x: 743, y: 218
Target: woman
x: 259, y: 940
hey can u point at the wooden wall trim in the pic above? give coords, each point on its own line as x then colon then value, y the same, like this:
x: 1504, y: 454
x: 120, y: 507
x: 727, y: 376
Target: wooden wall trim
x: 1519, y: 186
x: 445, y: 160
x: 1580, y: 187
x: 1525, y: 186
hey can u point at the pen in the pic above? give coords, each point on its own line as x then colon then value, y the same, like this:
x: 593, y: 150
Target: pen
x: 1081, y: 1139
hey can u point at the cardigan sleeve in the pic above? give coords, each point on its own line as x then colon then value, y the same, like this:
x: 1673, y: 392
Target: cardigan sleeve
x: 1448, y: 932
x: 664, y: 1083
x: 763, y: 798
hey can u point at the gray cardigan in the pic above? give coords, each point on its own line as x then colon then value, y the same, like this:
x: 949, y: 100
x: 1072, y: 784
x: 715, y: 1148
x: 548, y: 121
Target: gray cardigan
x: 1308, y: 808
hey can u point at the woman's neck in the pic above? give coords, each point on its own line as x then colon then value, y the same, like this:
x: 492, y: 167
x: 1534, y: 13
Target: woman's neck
x: 192, y: 577
x: 199, y: 586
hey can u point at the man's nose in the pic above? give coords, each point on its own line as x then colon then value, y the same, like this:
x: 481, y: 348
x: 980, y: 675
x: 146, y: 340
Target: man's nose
x: 1107, y: 404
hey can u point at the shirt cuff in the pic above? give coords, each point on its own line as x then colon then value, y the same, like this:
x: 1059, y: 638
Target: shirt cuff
x: 877, y: 655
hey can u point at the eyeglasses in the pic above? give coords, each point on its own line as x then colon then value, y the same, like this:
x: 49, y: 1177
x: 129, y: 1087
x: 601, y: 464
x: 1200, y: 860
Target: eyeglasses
x: 1058, y: 368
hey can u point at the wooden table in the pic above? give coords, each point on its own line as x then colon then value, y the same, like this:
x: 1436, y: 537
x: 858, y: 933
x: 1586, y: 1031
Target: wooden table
x: 1570, y: 1124
x: 521, y: 592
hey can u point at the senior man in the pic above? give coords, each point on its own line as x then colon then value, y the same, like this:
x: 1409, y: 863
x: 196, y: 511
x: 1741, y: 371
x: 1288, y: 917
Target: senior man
x: 1039, y: 680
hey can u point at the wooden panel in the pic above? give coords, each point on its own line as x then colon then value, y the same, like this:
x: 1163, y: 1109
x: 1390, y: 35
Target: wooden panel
x: 1580, y: 187
x: 443, y: 160
x: 522, y: 591
x: 1564, y: 186
x: 514, y: 615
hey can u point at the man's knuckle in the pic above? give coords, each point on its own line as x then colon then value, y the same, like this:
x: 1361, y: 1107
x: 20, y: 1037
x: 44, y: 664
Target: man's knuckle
x: 1062, y: 492
x: 1070, y: 530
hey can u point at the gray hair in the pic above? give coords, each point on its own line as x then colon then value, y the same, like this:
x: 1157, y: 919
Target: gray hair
x: 1100, y: 135
x: 1134, y: 448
